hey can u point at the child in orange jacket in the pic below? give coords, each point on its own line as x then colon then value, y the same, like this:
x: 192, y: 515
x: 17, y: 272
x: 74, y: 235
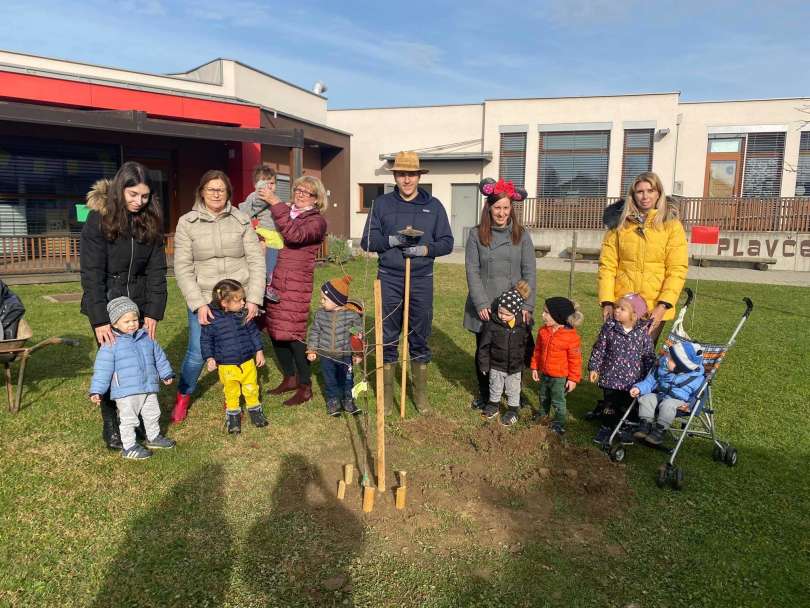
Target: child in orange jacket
x: 557, y: 359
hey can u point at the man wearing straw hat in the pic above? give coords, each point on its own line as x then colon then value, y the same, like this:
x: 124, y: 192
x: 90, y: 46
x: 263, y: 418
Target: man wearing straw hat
x: 407, y: 205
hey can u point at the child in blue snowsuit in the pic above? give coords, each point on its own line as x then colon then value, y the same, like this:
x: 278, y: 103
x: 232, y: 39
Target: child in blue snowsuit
x: 131, y: 369
x: 667, y: 390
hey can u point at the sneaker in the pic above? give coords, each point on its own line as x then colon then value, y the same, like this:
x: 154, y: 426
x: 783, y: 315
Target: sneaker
x: 557, y: 428
x: 350, y: 407
x: 257, y: 416
x: 656, y: 436
x: 271, y: 296
x: 159, y: 443
x: 234, y: 423
x: 644, y: 428
x: 603, y: 435
x: 490, y: 410
x: 509, y: 417
x: 136, y: 452
x: 333, y: 407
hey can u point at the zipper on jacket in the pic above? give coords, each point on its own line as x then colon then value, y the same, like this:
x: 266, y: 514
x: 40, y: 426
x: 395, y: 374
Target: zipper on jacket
x: 131, y: 256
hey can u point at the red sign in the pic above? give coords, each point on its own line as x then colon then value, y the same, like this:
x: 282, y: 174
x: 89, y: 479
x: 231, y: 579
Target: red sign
x: 705, y: 235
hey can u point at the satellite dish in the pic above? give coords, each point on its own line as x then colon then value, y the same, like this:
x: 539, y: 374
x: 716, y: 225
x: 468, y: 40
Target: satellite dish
x: 319, y: 88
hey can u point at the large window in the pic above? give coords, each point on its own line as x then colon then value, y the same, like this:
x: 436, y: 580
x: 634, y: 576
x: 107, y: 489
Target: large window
x: 763, y: 164
x: 573, y: 163
x: 637, y: 155
x: 42, y: 181
x: 803, y: 168
x: 513, y: 158
x: 368, y: 192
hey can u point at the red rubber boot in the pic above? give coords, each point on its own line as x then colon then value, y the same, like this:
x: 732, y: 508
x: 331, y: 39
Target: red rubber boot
x: 180, y: 410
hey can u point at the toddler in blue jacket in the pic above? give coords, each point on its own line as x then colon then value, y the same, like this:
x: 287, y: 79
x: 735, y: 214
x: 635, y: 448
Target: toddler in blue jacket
x: 131, y: 369
x: 233, y: 344
x: 668, y: 388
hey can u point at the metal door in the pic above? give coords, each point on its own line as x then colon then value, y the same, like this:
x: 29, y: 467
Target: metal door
x: 465, y: 209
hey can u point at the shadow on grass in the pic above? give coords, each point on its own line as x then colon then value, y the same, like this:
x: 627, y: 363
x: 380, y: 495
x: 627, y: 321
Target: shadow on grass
x: 177, y: 554
x: 299, y: 553
x: 449, y: 358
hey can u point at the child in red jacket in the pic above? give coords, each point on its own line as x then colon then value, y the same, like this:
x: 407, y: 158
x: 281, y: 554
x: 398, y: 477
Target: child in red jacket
x: 557, y: 359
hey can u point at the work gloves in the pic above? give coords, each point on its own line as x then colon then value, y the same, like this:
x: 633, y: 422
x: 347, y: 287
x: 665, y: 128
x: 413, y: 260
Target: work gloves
x: 402, y: 241
x: 418, y: 251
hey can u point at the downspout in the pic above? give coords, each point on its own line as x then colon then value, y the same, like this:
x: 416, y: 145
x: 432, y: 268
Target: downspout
x: 678, y: 120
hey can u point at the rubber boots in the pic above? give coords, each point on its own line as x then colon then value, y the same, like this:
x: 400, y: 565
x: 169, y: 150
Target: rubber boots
x: 419, y: 380
x: 388, y: 386
x: 288, y: 383
x: 180, y: 410
x: 109, y: 429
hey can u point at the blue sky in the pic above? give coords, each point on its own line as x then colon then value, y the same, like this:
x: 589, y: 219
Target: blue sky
x: 415, y: 52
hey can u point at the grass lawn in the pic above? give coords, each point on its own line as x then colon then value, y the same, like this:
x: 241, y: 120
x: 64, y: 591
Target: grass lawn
x: 495, y: 517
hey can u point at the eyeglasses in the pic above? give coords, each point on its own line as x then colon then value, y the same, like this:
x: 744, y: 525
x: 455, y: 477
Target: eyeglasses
x: 215, y: 191
x: 303, y: 192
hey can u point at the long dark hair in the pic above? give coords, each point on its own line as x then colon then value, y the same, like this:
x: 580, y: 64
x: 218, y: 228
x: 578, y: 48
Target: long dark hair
x: 485, y: 227
x: 146, y: 226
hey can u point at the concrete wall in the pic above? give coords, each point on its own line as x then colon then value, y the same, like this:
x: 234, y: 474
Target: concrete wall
x: 739, y: 117
x: 260, y: 88
x: 382, y: 131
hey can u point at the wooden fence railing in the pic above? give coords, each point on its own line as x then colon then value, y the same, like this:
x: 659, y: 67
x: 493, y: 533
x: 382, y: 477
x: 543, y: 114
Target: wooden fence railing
x: 60, y: 253
x: 791, y: 214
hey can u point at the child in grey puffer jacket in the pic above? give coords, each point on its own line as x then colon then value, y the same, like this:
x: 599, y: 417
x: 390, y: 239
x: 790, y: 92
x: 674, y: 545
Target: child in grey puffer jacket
x: 336, y: 336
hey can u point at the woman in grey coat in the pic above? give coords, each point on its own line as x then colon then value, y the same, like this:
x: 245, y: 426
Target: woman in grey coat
x: 499, y: 253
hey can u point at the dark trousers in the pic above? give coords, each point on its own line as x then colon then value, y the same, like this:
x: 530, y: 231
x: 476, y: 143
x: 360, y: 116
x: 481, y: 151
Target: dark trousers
x: 337, y: 376
x: 615, y: 403
x: 292, y: 358
x: 483, y: 379
x: 420, y: 316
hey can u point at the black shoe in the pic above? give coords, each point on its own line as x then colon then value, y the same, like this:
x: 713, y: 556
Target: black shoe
x: 490, y: 410
x: 656, y: 436
x: 333, y: 407
x: 350, y: 407
x: 234, y: 423
x: 644, y: 429
x: 603, y: 435
x: 109, y: 429
x: 257, y: 416
x: 626, y: 437
x: 477, y: 404
x: 509, y: 417
x: 557, y: 428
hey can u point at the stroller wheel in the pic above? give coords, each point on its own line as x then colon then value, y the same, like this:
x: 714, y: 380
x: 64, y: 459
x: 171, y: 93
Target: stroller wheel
x: 731, y: 456
x: 663, y: 476
x: 617, y: 453
x: 719, y: 453
x: 677, y: 478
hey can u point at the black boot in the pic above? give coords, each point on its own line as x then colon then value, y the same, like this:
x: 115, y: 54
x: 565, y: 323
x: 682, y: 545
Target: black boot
x: 257, y: 416
x: 109, y: 429
x: 234, y: 422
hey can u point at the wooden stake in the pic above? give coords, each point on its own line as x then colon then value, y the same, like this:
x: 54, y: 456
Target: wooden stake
x: 405, y: 354
x: 368, y: 499
x: 400, y: 497
x: 341, y: 490
x: 348, y: 473
x: 378, y: 351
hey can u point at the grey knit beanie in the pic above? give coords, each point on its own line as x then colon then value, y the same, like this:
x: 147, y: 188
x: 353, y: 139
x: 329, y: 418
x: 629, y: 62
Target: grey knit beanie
x: 118, y: 307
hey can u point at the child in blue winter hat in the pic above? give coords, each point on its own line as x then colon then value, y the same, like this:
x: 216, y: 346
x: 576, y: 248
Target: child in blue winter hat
x: 669, y: 388
x: 131, y: 369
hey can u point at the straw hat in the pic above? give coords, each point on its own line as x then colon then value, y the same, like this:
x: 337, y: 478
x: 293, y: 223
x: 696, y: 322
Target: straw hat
x: 407, y: 161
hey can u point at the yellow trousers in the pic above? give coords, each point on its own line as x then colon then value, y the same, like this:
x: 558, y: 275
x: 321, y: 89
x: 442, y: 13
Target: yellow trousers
x: 239, y: 380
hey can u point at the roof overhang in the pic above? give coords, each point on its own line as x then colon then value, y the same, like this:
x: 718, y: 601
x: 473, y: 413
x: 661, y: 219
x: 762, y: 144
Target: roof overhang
x: 133, y: 121
x: 427, y: 157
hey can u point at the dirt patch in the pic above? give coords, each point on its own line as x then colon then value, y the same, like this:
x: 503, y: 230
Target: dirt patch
x: 62, y: 298
x: 488, y: 486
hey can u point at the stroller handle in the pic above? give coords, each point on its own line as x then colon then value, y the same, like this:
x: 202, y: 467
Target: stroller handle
x: 690, y: 295
x: 749, y: 306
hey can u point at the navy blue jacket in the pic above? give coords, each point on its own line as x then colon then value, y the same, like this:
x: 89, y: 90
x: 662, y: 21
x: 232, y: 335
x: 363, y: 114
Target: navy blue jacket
x: 133, y: 365
x: 228, y: 339
x: 391, y: 214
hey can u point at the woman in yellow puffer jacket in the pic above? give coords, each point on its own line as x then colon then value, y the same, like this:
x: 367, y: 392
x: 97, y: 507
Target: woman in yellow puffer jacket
x: 644, y: 251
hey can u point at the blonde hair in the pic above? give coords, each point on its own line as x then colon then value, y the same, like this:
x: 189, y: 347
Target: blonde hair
x: 630, y: 207
x: 315, y: 184
x: 575, y: 319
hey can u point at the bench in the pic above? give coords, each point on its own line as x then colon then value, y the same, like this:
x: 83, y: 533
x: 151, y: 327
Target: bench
x: 589, y: 253
x: 540, y: 251
x: 727, y: 260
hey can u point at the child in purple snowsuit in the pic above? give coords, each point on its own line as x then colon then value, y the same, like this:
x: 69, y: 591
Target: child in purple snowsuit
x: 622, y: 355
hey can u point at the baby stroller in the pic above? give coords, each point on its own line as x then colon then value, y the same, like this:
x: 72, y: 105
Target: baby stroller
x: 699, y: 420
x: 14, y: 335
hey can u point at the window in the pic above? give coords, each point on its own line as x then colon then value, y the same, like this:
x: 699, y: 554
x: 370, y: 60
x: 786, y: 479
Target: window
x: 283, y: 187
x: 368, y: 192
x: 513, y: 158
x: 803, y: 168
x: 637, y: 155
x: 762, y: 175
x: 573, y: 163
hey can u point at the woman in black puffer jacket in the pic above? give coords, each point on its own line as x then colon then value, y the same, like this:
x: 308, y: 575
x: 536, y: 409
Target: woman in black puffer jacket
x: 122, y: 255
